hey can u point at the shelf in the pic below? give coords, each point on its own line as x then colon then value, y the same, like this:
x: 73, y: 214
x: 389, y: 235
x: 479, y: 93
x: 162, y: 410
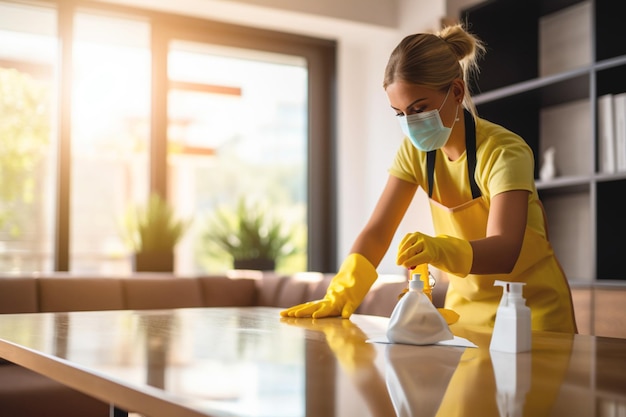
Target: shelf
x: 564, y: 184
x: 610, y: 177
x: 552, y: 89
x: 546, y: 64
x: 566, y: 86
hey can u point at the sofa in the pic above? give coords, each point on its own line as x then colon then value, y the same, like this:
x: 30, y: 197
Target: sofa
x: 26, y: 394
x: 64, y: 292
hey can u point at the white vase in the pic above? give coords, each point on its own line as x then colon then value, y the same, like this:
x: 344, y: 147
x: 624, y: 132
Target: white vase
x: 548, y: 168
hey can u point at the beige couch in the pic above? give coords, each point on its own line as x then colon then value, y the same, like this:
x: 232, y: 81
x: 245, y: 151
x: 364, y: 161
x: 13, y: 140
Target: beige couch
x: 25, y: 394
x: 60, y: 292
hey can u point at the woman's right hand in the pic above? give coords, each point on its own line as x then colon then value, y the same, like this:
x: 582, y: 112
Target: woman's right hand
x: 345, y: 292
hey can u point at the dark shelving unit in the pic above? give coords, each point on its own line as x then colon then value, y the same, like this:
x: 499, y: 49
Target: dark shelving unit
x: 583, y: 205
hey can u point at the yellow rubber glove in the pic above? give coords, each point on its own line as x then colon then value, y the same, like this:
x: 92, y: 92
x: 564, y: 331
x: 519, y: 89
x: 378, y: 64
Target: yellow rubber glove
x: 447, y: 253
x: 345, y: 291
x: 450, y: 316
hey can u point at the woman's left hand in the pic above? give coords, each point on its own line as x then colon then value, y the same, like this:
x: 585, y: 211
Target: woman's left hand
x: 445, y: 252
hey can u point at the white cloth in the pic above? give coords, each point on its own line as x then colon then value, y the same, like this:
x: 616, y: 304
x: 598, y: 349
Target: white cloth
x: 416, y: 321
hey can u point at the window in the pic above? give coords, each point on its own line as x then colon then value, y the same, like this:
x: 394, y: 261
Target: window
x: 237, y: 129
x: 28, y: 142
x: 199, y: 111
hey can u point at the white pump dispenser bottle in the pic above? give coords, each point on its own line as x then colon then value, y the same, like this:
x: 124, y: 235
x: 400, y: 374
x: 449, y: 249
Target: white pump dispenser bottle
x: 512, y: 331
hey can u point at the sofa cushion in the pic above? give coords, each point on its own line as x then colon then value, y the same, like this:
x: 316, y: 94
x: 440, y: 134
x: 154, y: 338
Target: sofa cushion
x: 268, y: 288
x: 220, y: 291
x: 298, y: 288
x: 74, y: 293
x: 161, y: 292
x: 18, y: 295
x: 383, y: 296
x: 318, y: 289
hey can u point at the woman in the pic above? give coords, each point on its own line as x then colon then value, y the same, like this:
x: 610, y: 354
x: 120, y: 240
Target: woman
x: 489, y: 222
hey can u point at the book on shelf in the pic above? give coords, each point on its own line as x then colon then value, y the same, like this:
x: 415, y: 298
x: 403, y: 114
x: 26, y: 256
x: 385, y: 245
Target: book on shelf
x: 565, y: 39
x: 619, y: 118
x: 606, y: 134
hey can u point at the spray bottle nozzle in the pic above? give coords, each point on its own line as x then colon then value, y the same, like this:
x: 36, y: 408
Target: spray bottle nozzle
x: 416, y: 282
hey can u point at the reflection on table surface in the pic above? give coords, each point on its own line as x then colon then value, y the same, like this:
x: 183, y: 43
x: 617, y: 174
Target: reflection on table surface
x: 252, y: 362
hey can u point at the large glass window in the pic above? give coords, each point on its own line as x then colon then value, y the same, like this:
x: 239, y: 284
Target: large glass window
x: 237, y: 130
x: 138, y: 101
x: 28, y: 53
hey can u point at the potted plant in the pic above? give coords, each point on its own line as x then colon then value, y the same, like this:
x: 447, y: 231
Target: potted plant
x: 250, y: 236
x: 153, y: 232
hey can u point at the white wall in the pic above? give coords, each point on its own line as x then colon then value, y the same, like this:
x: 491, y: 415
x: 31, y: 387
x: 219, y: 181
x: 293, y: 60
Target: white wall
x: 382, y: 135
x: 375, y: 12
x: 368, y: 132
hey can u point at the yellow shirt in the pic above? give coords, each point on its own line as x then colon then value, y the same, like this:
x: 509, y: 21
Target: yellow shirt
x: 504, y: 162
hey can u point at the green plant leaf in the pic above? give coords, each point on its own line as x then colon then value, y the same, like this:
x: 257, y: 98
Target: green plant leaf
x: 248, y: 232
x: 154, y: 227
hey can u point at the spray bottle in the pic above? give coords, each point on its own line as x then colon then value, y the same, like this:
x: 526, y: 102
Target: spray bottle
x: 422, y: 273
x: 415, y: 320
x: 511, y: 332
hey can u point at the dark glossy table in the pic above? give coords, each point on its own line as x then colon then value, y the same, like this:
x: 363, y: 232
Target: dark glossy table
x: 251, y: 362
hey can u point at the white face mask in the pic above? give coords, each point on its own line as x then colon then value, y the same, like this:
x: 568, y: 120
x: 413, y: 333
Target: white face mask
x: 426, y: 130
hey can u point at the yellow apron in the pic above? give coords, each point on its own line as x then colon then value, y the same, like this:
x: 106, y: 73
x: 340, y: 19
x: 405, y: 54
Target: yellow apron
x: 474, y: 297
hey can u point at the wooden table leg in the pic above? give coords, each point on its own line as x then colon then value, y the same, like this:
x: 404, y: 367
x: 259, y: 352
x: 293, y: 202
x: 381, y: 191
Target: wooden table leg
x: 117, y: 412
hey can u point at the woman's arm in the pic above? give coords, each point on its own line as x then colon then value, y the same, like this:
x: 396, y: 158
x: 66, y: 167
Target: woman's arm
x: 375, y: 238
x: 497, y: 253
x: 357, y: 273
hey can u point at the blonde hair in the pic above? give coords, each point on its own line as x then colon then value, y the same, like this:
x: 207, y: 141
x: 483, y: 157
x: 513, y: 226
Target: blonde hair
x: 435, y: 60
